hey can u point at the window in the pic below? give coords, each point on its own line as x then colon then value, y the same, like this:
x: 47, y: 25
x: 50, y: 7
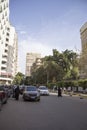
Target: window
x: 2, y: 0
x: 4, y: 6
x: 5, y: 13
x: 3, y: 62
x: 3, y: 32
x: 6, y: 44
x: 0, y: 9
x: 7, y: 39
x: 8, y: 29
x: 4, y: 56
x: 6, y: 51
x: 3, y: 16
x: 7, y: 4
x: 1, y: 27
x: 4, y: 23
x: 7, y: 34
x: 6, y: 19
x: 3, y: 68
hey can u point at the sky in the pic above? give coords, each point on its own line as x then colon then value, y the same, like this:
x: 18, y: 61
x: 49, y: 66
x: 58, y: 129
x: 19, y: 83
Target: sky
x: 44, y: 25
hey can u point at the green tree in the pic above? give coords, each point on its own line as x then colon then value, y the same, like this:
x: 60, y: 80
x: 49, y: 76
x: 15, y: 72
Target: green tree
x: 28, y: 80
x: 19, y: 79
x: 57, y: 67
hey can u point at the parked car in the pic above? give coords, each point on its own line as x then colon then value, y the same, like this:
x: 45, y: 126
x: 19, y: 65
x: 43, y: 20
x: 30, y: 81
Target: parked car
x: 21, y: 87
x: 3, y: 95
x: 43, y: 90
x: 8, y: 90
x: 31, y: 93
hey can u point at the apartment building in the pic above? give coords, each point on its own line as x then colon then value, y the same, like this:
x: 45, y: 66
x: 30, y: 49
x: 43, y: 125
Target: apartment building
x: 8, y: 45
x: 30, y: 59
x: 83, y: 62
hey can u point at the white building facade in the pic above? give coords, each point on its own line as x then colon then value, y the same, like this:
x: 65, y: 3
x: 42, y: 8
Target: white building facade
x: 83, y: 34
x: 30, y: 59
x: 8, y: 45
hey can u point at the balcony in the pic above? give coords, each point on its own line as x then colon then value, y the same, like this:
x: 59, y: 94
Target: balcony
x: 5, y: 74
x: 5, y: 54
x: 3, y: 68
x: 6, y: 47
x: 4, y: 65
x: 4, y: 59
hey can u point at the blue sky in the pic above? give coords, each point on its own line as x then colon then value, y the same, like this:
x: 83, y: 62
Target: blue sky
x: 44, y: 25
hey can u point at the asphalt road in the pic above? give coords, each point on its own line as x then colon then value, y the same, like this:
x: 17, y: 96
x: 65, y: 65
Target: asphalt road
x: 51, y: 113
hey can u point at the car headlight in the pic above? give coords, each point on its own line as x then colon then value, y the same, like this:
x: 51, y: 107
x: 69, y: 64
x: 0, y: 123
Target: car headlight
x: 26, y: 94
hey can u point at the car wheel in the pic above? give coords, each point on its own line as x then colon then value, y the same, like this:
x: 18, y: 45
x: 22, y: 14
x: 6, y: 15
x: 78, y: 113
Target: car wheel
x: 5, y: 101
x: 24, y: 99
x: 38, y: 100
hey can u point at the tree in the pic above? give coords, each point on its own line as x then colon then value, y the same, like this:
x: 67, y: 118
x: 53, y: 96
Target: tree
x: 28, y: 80
x: 71, y: 64
x: 57, y: 67
x: 19, y: 79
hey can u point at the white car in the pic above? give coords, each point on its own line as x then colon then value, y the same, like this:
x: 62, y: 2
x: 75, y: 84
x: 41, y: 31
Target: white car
x: 43, y: 90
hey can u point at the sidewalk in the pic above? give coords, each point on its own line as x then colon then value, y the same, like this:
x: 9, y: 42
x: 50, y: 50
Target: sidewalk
x: 73, y: 94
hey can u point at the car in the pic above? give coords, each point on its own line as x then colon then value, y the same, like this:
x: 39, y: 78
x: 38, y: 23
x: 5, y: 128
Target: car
x: 43, y: 90
x: 3, y: 95
x: 21, y: 88
x: 31, y: 93
x: 8, y: 90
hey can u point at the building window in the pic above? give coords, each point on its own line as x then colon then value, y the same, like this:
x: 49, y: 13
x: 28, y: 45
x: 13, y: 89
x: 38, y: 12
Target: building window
x: 1, y: 27
x: 5, y: 13
x: 4, y: 6
x: 7, y: 34
x: 6, y: 19
x: 3, y: 32
x: 0, y: 9
x: 4, y: 23
x: 6, y: 51
x: 2, y: 0
x: 3, y: 62
x: 8, y: 29
x: 1, y: 42
x: 6, y: 44
x: 7, y: 39
x: 7, y: 4
x: 3, y: 68
x: 3, y: 16
x: 4, y: 56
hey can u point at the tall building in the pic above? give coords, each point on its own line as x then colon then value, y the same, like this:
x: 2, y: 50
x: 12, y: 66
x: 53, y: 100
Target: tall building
x: 8, y: 45
x: 83, y: 62
x: 30, y: 59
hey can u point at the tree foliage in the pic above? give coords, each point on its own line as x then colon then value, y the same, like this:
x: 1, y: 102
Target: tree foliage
x: 19, y: 79
x: 57, y: 67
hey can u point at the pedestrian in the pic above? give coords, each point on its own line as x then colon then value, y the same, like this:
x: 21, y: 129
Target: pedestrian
x: 13, y: 91
x: 59, y: 92
x: 17, y: 92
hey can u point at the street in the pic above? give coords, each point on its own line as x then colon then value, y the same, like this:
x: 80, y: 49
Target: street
x: 51, y: 113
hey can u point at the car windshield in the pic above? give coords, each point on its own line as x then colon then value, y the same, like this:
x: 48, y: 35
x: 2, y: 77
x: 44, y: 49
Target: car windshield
x: 31, y: 88
x: 43, y: 88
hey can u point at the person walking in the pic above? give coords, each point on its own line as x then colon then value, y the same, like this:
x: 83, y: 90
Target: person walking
x: 59, y: 92
x: 17, y: 92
